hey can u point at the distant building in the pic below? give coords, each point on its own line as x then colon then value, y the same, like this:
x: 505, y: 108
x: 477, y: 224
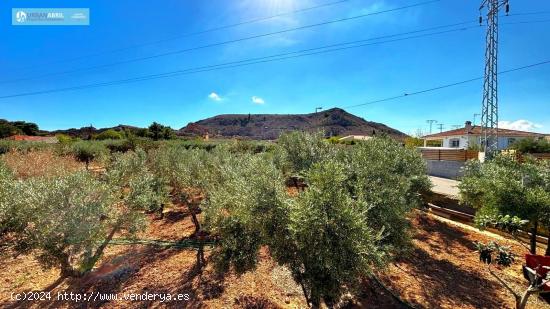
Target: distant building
x: 355, y: 138
x: 28, y: 138
x: 470, y: 136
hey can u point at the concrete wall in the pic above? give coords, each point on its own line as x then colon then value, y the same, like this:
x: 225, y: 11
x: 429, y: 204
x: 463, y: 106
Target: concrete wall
x: 445, y: 169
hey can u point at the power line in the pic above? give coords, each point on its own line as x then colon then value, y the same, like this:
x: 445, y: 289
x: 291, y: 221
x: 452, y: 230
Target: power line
x: 295, y: 52
x: 374, y: 38
x: 180, y: 51
x: 446, y: 85
x: 184, y: 35
x: 252, y: 61
x: 246, y: 62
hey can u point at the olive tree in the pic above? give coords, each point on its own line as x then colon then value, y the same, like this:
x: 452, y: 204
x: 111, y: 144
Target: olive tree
x: 350, y: 219
x: 248, y: 209
x: 504, y: 186
x: 333, y: 242
x: 139, y: 187
x: 67, y: 220
x: 389, y: 178
x: 297, y: 151
x: 6, y: 192
x: 88, y: 151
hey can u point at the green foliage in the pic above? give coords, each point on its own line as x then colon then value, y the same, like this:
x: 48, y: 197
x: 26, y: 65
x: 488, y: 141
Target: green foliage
x: 87, y: 151
x: 140, y: 188
x: 507, y: 223
x: 64, y: 220
x: 22, y: 146
x: 298, y: 151
x: 158, y: 131
x: 531, y: 145
x: 65, y: 139
x: 8, y: 128
x: 351, y: 217
x: 504, y: 186
x: 108, y: 134
x: 413, y: 142
x: 6, y: 194
x: 247, y: 209
x: 504, y: 256
x: 388, y: 178
x: 334, y: 241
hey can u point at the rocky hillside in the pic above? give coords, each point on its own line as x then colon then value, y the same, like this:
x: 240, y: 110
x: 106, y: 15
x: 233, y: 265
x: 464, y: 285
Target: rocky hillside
x: 334, y: 122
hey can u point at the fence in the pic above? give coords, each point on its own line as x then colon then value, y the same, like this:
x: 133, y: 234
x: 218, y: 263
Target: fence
x: 460, y: 155
x: 544, y: 156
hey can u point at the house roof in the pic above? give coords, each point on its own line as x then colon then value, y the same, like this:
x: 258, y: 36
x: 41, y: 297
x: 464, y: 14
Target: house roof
x: 476, y: 130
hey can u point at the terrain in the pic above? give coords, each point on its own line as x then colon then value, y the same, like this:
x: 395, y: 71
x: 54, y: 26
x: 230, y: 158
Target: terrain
x: 334, y: 122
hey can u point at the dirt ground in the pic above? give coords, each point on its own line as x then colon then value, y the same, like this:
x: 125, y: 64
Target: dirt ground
x: 442, y: 271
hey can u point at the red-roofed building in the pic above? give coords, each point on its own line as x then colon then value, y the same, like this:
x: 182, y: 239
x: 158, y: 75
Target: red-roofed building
x: 28, y: 138
x: 470, y: 136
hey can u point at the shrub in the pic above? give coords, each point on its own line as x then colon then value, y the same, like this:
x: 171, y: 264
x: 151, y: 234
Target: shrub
x: 389, y: 178
x: 249, y: 208
x: 120, y: 145
x: 86, y: 151
x: 6, y: 206
x: 65, y: 139
x: 504, y: 186
x: 108, y: 134
x: 141, y: 190
x: 334, y: 241
x: 531, y: 145
x: 297, y: 151
x: 67, y: 220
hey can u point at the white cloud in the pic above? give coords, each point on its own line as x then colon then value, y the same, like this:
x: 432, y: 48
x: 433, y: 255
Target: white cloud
x: 257, y: 100
x: 214, y: 97
x: 521, y: 124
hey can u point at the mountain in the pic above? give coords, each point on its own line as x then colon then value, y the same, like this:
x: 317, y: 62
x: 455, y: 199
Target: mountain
x: 84, y: 132
x: 334, y: 122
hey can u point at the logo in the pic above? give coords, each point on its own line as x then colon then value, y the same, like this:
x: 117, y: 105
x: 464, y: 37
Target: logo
x: 21, y: 17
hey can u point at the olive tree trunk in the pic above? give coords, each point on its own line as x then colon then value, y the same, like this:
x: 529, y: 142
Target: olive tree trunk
x: 534, y: 237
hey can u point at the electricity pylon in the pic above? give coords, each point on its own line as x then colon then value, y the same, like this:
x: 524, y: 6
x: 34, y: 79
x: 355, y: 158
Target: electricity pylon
x: 489, y: 108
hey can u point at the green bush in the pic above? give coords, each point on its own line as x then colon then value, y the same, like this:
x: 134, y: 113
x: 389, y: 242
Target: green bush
x: 297, y: 151
x: 108, y: 134
x: 504, y: 186
x: 140, y: 188
x: 334, y: 241
x: 88, y: 151
x: 67, y: 220
x: 247, y: 209
x: 7, y: 222
x: 531, y: 145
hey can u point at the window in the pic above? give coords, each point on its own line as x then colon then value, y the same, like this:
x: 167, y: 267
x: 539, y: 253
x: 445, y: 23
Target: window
x: 455, y: 143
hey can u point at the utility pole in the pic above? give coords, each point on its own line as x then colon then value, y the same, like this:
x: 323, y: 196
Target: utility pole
x: 431, y: 122
x: 475, y: 116
x: 489, y: 108
x: 440, y: 126
x: 318, y: 109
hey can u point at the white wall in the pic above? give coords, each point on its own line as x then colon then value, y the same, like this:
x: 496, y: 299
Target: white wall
x: 465, y: 141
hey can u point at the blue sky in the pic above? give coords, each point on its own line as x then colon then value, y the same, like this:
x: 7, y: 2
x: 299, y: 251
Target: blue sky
x: 336, y: 79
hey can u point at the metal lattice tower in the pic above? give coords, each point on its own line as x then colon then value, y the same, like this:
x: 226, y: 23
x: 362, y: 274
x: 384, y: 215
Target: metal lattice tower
x: 489, y: 109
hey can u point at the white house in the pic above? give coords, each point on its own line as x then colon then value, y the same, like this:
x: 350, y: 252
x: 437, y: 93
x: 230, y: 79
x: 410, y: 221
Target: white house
x: 470, y: 136
x: 355, y: 138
